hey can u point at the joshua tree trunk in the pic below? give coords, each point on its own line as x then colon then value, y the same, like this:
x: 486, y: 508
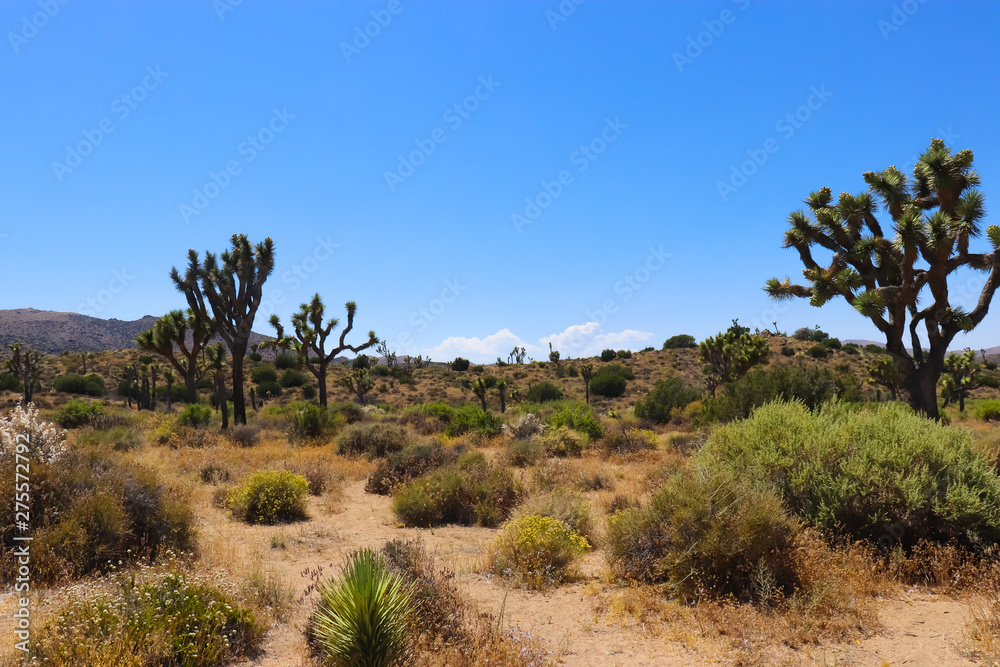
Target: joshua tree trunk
x: 321, y: 380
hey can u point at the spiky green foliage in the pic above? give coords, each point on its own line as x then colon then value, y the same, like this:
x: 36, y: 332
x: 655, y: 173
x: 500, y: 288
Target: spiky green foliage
x: 961, y: 375
x: 360, y: 382
x: 215, y: 366
x: 310, y: 335
x: 730, y: 355
x: 362, y: 617
x: 887, y: 275
x: 26, y: 364
x: 231, y: 291
x: 179, y: 337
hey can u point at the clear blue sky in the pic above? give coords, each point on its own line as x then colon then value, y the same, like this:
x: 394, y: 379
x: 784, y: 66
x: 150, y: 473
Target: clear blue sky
x: 615, y: 106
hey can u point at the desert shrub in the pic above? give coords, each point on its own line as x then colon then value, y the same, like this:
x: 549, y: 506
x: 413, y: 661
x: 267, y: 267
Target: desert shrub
x: 293, y: 378
x: 469, y: 492
x: 178, y: 393
x: 818, y: 352
x: 818, y: 336
x: 579, y: 417
x: 9, y: 382
x: 308, y: 421
x: 361, y: 362
x: 562, y: 505
x: 608, y: 355
x: 623, y: 354
x: 665, y: 399
x: 610, y: 381
x: 802, y: 333
x: 215, y: 473
x: 472, y: 418
x: 460, y: 364
x: 832, y: 343
x: 309, y: 392
x: 286, y: 361
x: 244, y: 435
x: 988, y: 411
x: 872, y: 348
x: 255, y: 356
x: 787, y: 351
x: 172, y: 618
x: 866, y: 473
x: 523, y: 426
x: 705, y: 533
x: 378, y: 370
x: 679, y: 342
x: 524, y: 453
x: 851, y: 348
x: 537, y: 551
x: 362, y: 618
x: 478, y: 369
x: 268, y: 389
x: 269, y: 497
x: 562, y: 441
x: 812, y: 385
x: 264, y: 373
x: 23, y: 432
x: 407, y: 464
x: 352, y: 412
x: 542, y: 392
x: 77, y: 412
x: 628, y: 440
x: 373, y: 440
x: 119, y: 438
x: 196, y: 415
x: 89, y: 385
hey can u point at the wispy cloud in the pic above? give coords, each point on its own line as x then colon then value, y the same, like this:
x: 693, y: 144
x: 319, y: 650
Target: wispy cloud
x: 578, y: 340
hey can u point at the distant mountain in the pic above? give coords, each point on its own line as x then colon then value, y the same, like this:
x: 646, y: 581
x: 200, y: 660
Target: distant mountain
x: 990, y: 351
x: 54, y: 332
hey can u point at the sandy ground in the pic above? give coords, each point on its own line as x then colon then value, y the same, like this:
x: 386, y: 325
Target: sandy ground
x: 919, y: 628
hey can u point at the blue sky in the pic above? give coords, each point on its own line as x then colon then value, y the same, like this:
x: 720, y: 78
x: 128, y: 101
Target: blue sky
x: 474, y: 175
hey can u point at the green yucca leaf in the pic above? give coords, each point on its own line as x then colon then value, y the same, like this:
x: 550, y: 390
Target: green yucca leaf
x: 869, y: 303
x: 993, y: 234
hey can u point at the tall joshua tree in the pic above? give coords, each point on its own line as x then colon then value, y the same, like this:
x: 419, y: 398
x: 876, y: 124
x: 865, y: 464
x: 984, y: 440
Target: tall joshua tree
x: 215, y: 366
x: 587, y: 372
x: 230, y: 291
x: 26, y: 365
x: 179, y: 337
x: 933, y: 217
x: 310, y: 339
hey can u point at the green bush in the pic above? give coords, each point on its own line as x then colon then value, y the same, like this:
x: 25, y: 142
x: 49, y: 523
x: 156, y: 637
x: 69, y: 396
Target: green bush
x: 623, y: 354
x: 265, y: 373
x: 542, y: 392
x: 308, y: 421
x: 378, y: 370
x: 269, y: 497
x: 875, y: 474
x: 361, y: 362
x: 818, y: 352
x: 679, y: 342
x: 472, y: 418
x: 174, y: 618
x: 872, y: 348
x: 563, y: 505
x: 407, y: 464
x: 610, y: 381
x: 268, y: 389
x: 352, y: 412
x: 293, y: 378
x: 255, y: 356
x: 665, y: 399
x: 196, y: 415
x: 178, y: 393
x: 77, y: 412
x: 460, y: 364
x: 286, y: 361
x: 89, y: 385
x: 524, y: 453
x: 705, y: 532
x: 802, y: 333
x: 832, y: 343
x: 9, y: 382
x: 787, y: 351
x: 813, y: 385
x: 469, y: 492
x: 988, y: 411
x: 373, y: 440
x: 579, y: 417
x: 121, y: 438
x: 363, y: 617
x: 608, y: 355
x: 628, y: 440
x: 538, y: 551
x: 851, y: 348
x: 562, y: 441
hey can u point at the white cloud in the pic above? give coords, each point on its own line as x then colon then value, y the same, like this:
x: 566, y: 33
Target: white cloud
x: 578, y: 340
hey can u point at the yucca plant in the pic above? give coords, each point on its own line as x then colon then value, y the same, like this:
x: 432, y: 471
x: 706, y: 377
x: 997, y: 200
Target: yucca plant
x: 362, y: 618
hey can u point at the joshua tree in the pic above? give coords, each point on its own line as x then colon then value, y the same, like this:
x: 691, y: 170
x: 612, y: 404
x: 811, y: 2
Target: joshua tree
x: 501, y: 386
x: 961, y: 375
x: 516, y: 355
x: 388, y: 355
x: 587, y: 372
x: 179, y: 337
x: 154, y: 372
x: 232, y: 293
x: 933, y: 218
x: 480, y: 387
x: 128, y: 385
x: 26, y: 365
x: 886, y: 372
x: 310, y: 339
x: 554, y: 357
x: 168, y: 377
x: 359, y: 382
x: 730, y: 355
x: 215, y: 356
